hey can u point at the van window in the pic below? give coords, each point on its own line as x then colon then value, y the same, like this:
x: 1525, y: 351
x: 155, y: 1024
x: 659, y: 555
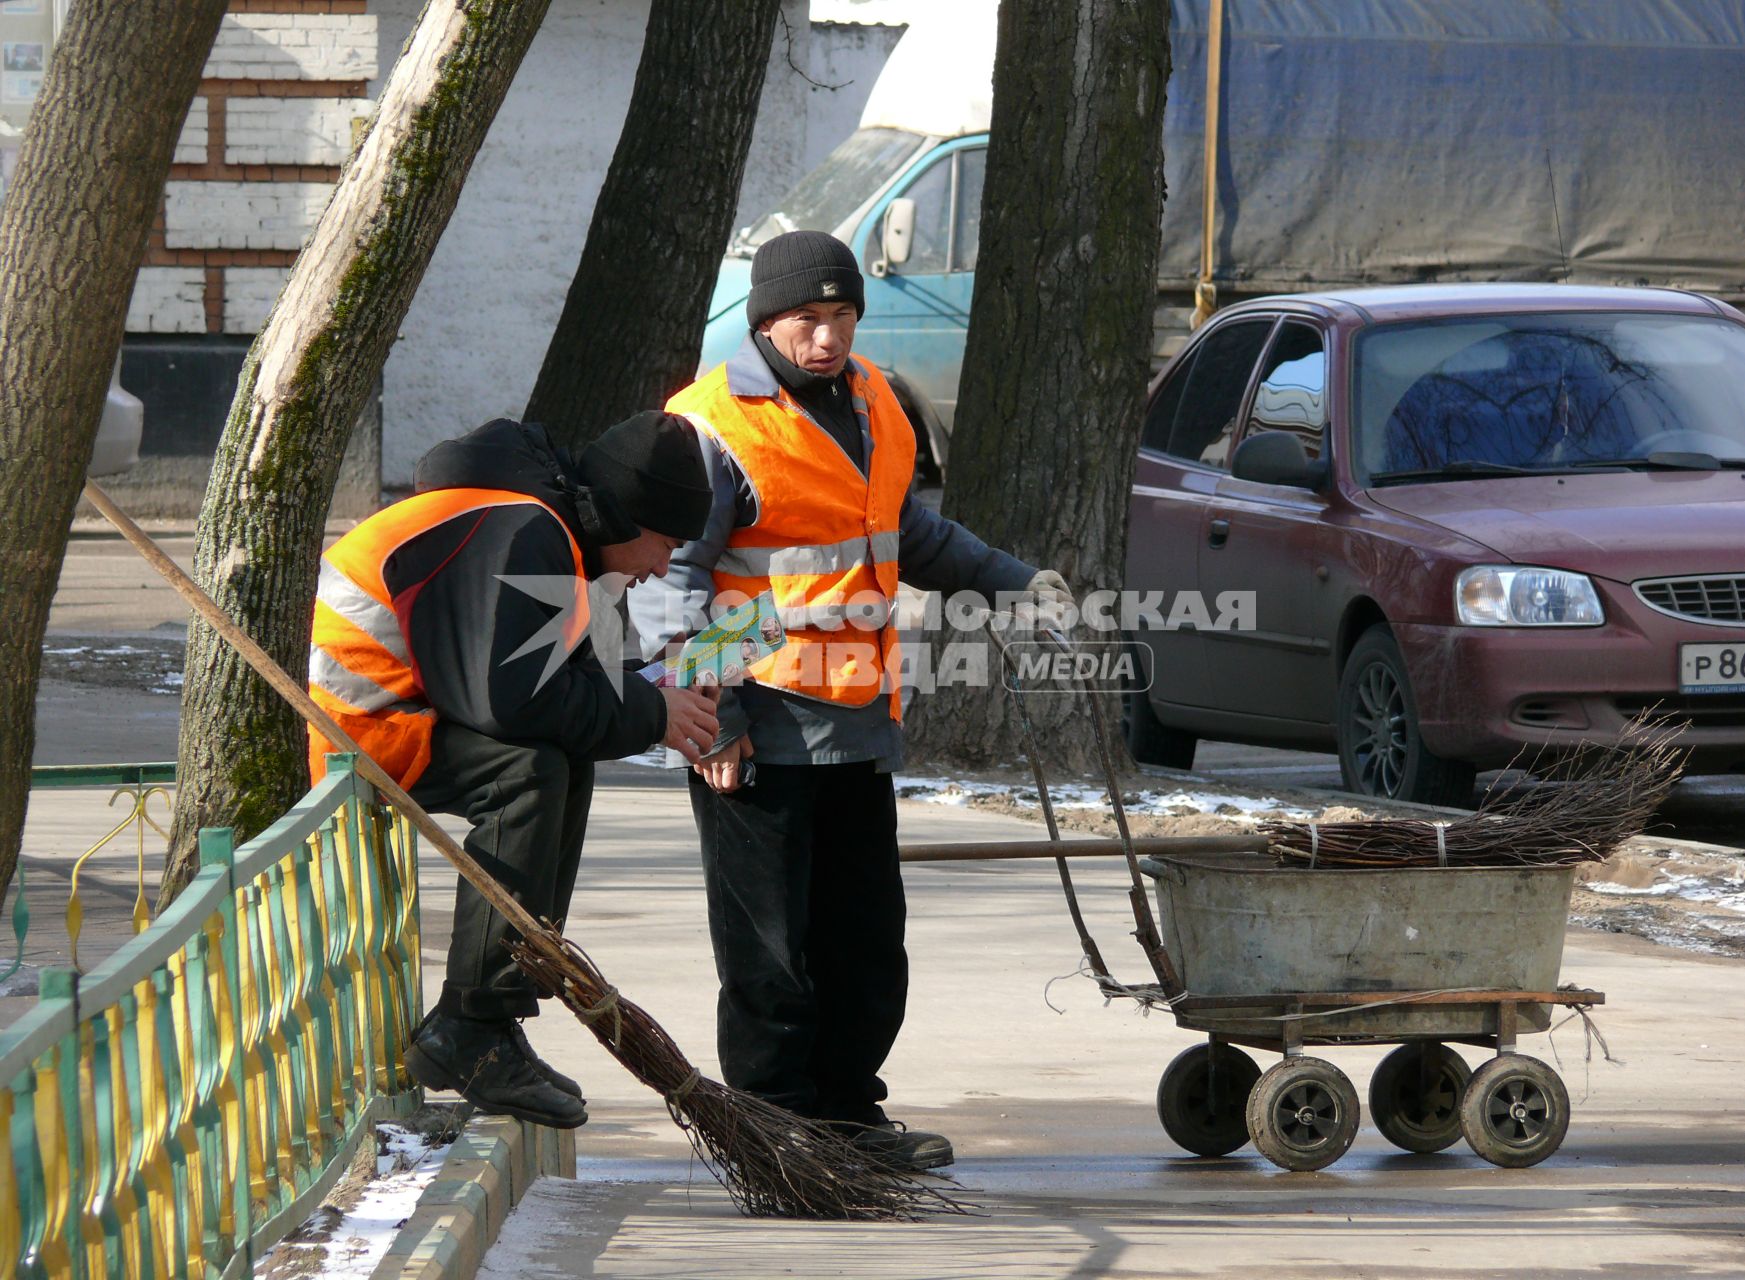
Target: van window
x: 931, y: 249
x: 972, y: 167
x: 948, y: 214
x: 849, y: 176
x: 1206, y: 422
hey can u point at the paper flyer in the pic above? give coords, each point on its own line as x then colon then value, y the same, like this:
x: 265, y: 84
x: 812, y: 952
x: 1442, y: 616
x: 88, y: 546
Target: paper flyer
x: 723, y: 651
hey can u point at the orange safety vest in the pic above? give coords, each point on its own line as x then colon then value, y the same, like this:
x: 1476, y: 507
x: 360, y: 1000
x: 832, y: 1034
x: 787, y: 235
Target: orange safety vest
x: 361, y: 670
x: 825, y: 539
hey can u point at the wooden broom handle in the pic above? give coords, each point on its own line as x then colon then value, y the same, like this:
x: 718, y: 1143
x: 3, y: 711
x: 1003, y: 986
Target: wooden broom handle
x: 305, y: 706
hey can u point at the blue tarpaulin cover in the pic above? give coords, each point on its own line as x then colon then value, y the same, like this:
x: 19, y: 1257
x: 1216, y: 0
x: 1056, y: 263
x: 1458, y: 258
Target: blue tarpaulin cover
x: 1390, y: 141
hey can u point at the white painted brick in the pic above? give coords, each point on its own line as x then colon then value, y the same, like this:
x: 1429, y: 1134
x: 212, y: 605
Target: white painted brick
x: 191, y: 146
x: 242, y: 215
x: 168, y: 300
x: 313, y: 46
x: 293, y: 130
x: 249, y: 293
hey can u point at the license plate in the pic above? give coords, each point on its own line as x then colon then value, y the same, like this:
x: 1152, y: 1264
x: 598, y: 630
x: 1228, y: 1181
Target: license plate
x: 1711, y: 668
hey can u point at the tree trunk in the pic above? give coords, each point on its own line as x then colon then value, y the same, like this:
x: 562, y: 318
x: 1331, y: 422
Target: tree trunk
x: 88, y: 184
x: 632, y: 324
x: 242, y: 756
x: 1054, y: 372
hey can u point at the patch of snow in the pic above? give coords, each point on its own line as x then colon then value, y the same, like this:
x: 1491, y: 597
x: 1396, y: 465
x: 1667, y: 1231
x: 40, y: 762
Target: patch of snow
x: 1728, y: 893
x: 1076, y: 796
x: 353, y: 1245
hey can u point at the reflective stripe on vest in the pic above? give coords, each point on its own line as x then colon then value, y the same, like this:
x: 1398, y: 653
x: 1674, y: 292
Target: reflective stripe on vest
x: 360, y: 665
x: 826, y: 537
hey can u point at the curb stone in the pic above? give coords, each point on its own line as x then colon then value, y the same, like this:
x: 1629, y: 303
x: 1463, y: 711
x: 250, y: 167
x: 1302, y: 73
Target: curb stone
x: 486, y: 1172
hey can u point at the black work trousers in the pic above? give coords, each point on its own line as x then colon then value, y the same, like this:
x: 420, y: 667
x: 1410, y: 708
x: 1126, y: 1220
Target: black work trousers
x: 528, y: 805
x: 806, y: 913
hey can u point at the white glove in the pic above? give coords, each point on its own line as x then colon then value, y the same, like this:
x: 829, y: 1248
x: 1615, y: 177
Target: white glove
x: 1053, y: 606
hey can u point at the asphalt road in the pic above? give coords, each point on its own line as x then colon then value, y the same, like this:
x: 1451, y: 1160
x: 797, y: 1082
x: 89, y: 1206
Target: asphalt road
x: 113, y: 661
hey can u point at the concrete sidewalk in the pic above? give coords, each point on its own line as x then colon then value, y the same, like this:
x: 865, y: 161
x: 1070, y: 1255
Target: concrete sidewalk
x: 1052, y: 1112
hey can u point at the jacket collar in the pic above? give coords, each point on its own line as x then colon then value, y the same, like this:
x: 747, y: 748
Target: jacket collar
x: 748, y: 374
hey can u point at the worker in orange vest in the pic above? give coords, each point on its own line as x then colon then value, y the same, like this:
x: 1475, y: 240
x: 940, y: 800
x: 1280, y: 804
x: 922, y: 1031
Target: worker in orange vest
x: 810, y: 460
x: 452, y: 640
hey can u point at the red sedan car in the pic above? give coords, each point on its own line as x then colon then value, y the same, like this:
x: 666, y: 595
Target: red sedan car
x: 1434, y: 525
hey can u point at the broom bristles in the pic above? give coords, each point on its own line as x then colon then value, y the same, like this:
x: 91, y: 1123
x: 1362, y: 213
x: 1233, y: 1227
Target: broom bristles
x: 1585, y: 803
x: 771, y: 1162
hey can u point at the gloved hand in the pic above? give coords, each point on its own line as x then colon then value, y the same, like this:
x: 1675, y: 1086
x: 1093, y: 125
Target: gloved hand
x: 1053, y: 601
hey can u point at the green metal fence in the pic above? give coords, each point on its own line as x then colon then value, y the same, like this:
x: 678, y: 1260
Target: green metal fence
x: 190, y: 1100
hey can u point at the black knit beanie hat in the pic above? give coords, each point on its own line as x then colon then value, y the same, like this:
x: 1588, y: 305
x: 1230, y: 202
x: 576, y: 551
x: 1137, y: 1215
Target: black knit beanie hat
x: 653, y: 465
x: 800, y: 267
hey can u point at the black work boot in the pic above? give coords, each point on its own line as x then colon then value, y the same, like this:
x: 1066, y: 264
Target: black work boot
x: 912, y: 1150
x: 481, y: 1061
x: 551, y: 1073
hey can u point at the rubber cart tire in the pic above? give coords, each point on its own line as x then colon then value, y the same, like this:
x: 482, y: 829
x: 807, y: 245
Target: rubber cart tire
x: 1202, y: 1099
x: 1415, y: 1105
x: 1515, y: 1111
x: 1303, y: 1114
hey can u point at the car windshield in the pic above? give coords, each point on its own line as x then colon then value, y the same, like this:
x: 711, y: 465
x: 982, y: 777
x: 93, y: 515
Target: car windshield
x: 1530, y: 393
x: 861, y: 164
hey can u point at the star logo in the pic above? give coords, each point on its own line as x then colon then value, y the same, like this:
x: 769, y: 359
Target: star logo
x: 605, y: 628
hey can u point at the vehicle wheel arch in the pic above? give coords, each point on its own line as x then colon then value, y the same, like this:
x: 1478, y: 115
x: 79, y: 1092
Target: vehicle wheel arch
x: 1360, y: 615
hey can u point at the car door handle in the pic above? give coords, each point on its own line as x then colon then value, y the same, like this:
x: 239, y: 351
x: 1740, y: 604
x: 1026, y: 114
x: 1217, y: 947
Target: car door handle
x: 1219, y: 533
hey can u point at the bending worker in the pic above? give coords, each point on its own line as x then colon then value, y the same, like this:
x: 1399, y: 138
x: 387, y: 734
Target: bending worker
x: 451, y: 641
x: 810, y: 461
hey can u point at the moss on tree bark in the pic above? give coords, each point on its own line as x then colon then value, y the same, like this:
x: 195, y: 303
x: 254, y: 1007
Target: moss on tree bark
x: 241, y: 756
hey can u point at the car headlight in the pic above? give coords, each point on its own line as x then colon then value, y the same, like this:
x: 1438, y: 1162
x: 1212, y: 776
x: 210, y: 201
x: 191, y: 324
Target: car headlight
x: 1488, y: 595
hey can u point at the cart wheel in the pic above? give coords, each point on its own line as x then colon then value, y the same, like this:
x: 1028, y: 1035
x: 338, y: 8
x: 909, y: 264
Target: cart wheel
x: 1302, y: 1114
x: 1416, y: 1103
x: 1203, y: 1099
x: 1515, y: 1111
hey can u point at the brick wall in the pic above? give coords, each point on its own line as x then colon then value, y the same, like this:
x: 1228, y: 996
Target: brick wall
x: 284, y: 90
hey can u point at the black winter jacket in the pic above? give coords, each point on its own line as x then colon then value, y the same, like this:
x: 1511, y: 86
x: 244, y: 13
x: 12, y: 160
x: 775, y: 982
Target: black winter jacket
x: 465, y: 623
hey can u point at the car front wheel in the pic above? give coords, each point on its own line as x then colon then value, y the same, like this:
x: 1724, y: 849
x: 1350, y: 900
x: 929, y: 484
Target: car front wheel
x: 1381, y: 752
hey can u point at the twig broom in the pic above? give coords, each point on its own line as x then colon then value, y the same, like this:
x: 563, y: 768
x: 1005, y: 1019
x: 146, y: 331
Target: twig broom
x: 771, y: 1162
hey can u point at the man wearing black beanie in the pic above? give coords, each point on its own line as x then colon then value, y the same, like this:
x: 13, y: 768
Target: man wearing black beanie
x: 811, y: 460
x: 455, y: 640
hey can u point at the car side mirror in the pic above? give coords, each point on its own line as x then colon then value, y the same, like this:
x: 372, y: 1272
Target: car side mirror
x: 1278, y: 457
x: 896, y: 236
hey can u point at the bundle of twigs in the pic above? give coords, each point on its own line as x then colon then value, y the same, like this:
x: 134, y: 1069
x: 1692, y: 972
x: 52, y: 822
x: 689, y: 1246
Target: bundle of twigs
x: 770, y: 1161
x: 1578, y: 806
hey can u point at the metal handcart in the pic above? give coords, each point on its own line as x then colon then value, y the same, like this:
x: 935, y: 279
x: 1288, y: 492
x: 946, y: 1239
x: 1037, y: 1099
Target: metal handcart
x: 1286, y: 959
x: 1261, y: 956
